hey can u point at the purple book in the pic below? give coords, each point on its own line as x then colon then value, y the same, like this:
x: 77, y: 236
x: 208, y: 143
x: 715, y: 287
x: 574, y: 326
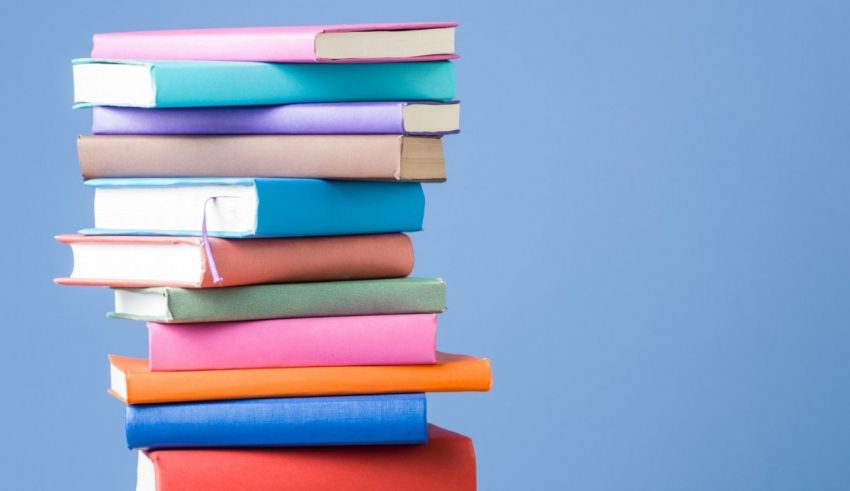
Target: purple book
x: 363, y: 118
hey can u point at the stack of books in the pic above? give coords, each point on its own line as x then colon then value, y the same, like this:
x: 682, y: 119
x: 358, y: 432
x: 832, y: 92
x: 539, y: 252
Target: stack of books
x: 252, y: 190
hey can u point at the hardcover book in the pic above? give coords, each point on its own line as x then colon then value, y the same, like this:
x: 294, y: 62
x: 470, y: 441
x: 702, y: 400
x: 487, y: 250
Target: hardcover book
x: 303, y: 44
x: 133, y: 382
x: 283, y: 300
x: 142, y: 261
x: 363, y: 157
x: 331, y: 118
x: 292, y: 421
x: 445, y: 463
x: 404, y: 339
x: 253, y: 207
x: 235, y: 83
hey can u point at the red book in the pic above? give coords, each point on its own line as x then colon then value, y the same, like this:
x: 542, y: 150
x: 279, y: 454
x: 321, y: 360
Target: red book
x: 147, y: 261
x: 445, y: 463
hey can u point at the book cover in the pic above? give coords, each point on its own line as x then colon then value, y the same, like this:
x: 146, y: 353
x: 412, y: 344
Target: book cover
x: 360, y: 157
x: 445, y: 463
x: 331, y: 118
x: 147, y: 261
x: 292, y: 421
x: 254, y: 207
x: 282, y: 300
x: 133, y: 382
x: 406, y: 339
x: 233, y: 83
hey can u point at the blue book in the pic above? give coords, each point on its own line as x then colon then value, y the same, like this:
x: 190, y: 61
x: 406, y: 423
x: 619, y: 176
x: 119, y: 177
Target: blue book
x: 254, y: 207
x: 232, y: 83
x: 295, y: 421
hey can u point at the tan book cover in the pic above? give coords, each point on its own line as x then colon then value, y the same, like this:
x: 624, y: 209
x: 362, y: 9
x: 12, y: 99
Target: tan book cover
x: 361, y: 157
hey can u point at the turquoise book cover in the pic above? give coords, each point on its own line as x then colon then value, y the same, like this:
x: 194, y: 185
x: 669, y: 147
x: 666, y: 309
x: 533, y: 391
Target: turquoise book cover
x: 270, y: 207
x: 231, y: 83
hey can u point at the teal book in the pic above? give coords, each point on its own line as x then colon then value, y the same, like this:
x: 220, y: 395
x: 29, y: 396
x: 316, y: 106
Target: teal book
x: 253, y: 207
x: 282, y: 300
x: 218, y: 83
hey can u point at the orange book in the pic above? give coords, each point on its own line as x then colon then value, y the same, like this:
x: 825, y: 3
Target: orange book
x: 445, y: 463
x: 144, y: 261
x: 134, y: 383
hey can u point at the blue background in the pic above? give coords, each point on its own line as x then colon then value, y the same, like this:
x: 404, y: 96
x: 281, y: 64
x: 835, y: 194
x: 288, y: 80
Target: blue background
x: 645, y: 228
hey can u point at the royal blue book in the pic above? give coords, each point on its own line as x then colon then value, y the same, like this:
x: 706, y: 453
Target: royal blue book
x: 253, y: 207
x: 231, y: 83
x: 293, y: 421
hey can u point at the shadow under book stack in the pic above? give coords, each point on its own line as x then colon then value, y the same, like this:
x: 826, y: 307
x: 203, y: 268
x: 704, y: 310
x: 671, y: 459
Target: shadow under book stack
x: 252, y: 190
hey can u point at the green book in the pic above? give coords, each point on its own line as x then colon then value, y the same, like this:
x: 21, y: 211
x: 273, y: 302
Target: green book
x: 319, y: 299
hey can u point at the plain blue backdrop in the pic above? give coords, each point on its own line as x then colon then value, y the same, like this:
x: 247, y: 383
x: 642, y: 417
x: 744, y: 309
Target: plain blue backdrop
x: 645, y: 228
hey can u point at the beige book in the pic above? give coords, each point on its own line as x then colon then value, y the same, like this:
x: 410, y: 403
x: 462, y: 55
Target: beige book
x: 361, y: 157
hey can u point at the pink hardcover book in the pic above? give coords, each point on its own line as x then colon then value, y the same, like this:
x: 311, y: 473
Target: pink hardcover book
x: 297, y: 44
x: 407, y: 339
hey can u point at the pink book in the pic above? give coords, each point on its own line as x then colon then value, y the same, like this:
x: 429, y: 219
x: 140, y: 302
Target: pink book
x: 407, y: 339
x: 297, y: 44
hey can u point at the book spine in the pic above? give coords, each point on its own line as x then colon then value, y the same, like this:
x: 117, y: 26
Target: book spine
x: 351, y: 118
x: 314, y: 207
x: 295, y: 156
x: 248, y: 84
x: 319, y: 341
x: 321, y: 299
x: 445, y: 463
x: 345, y: 420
